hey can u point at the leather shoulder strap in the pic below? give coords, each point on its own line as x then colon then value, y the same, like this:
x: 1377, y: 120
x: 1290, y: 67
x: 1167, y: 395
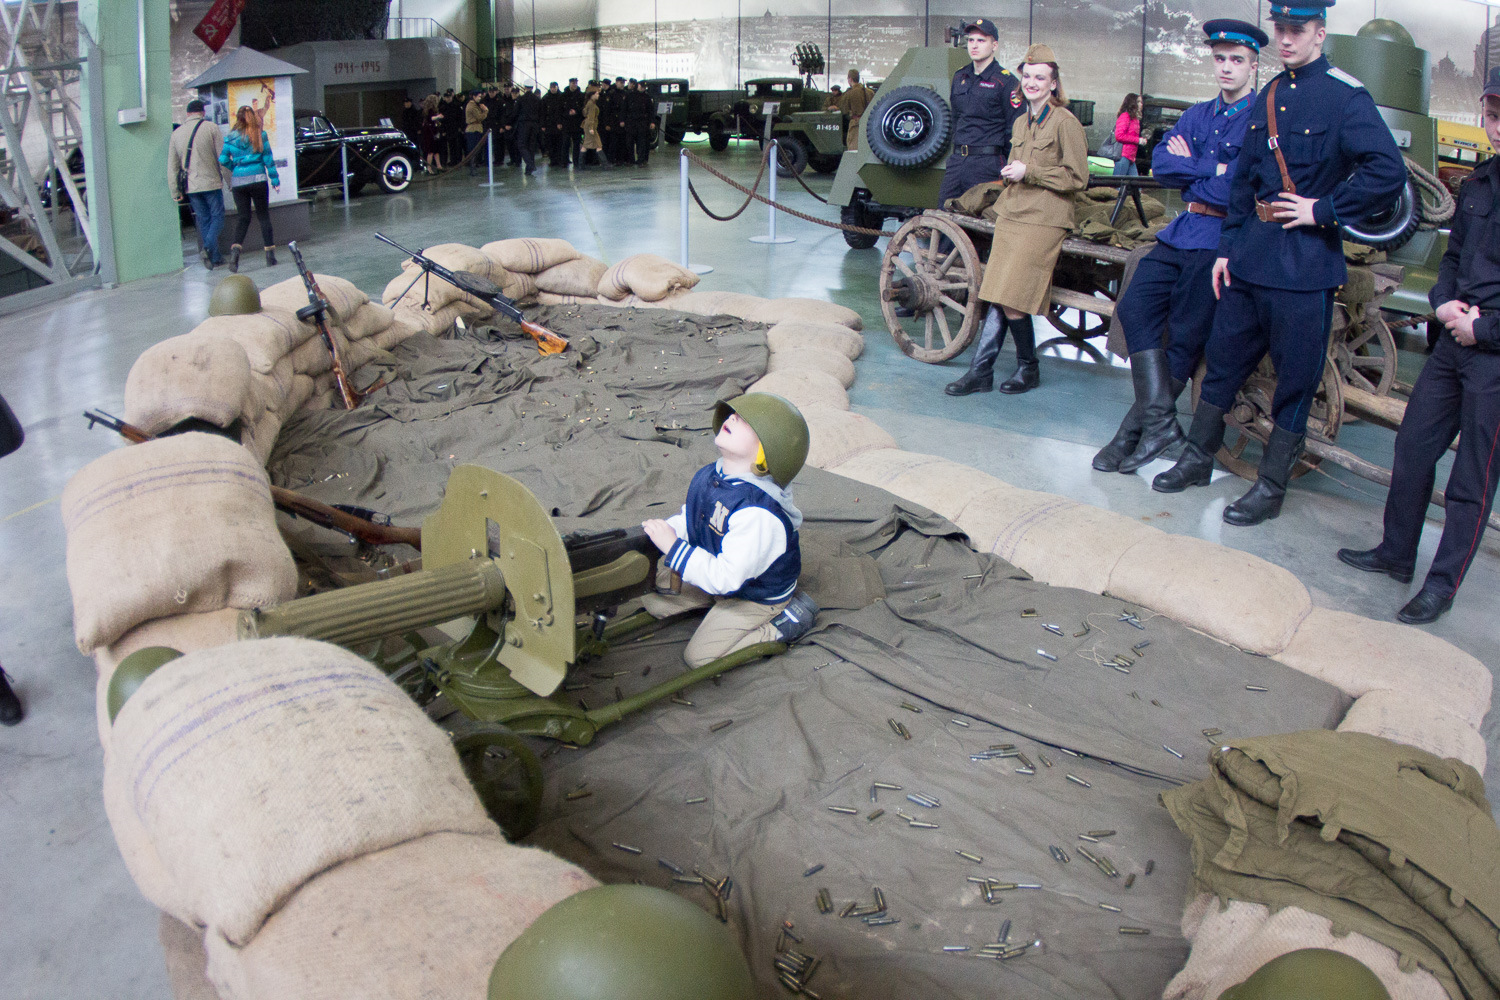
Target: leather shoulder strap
x: 1274, y: 139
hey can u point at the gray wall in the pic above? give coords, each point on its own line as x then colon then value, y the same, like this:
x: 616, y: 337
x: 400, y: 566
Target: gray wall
x: 376, y: 64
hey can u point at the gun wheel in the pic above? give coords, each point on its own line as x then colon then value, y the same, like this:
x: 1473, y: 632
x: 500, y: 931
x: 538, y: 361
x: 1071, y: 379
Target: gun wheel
x: 505, y: 774
x: 931, y: 268
x: 1366, y: 353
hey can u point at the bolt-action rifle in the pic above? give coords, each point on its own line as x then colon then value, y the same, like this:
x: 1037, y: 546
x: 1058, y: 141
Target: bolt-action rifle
x: 486, y: 291
x: 359, y: 523
x: 316, y: 312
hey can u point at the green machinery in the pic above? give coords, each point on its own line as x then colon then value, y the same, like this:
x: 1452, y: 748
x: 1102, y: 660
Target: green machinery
x: 502, y: 608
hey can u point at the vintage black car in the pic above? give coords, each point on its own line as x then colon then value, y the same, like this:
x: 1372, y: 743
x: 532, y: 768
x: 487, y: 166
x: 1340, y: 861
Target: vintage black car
x: 383, y: 156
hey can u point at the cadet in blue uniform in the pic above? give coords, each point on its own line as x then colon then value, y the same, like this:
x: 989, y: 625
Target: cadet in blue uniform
x: 1172, y: 291
x: 1458, y: 393
x: 1317, y: 153
x: 985, y: 99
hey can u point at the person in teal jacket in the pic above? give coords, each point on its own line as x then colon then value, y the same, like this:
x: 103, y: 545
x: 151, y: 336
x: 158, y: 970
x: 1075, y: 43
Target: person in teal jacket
x: 247, y: 153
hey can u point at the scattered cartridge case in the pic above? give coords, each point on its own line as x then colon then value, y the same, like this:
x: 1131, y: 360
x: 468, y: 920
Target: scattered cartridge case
x: 669, y: 866
x: 922, y: 826
x: 875, y: 815
x: 882, y: 921
x: 695, y: 800
x: 955, y: 947
x: 687, y: 879
x: 1110, y: 907
x: 1087, y: 628
x: 970, y: 857
x: 973, y: 576
x: 1028, y: 612
x: 720, y: 725
x: 1059, y: 854
x: 1256, y: 687
x: 1046, y: 761
x: 680, y: 700
x: 1046, y: 655
x: 578, y: 793
x: 846, y: 810
x: 1169, y: 750
x: 1025, y: 761
x: 888, y: 786
x: 849, y: 909
x: 1130, y: 880
x: 723, y: 909
x: 1135, y: 930
x: 1002, y: 746
x: 1141, y: 645
x: 1211, y: 733
x: 1150, y: 866
x: 825, y: 901
x: 1075, y: 779
x: 925, y: 801
x: 1070, y: 753
x: 959, y: 722
x: 1091, y: 840
x: 813, y: 870
x: 909, y: 819
x: 910, y: 707
x: 879, y: 898
x: 1028, y: 885
x: 626, y: 848
x: 1156, y: 703
x: 1055, y: 630
x: 1004, y: 934
x: 1026, y: 770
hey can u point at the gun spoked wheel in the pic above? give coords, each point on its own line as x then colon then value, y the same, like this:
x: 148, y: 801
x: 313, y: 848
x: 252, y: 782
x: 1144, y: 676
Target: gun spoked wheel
x: 505, y: 774
x: 931, y: 268
x: 1366, y: 354
x: 1250, y: 417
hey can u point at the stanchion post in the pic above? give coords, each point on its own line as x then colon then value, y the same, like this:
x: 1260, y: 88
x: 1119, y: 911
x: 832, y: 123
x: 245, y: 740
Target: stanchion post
x: 771, y: 237
x: 682, y: 159
x: 489, y: 156
x: 344, y: 167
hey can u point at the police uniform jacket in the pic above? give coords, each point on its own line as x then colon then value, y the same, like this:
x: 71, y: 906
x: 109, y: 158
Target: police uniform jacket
x: 1056, y: 153
x: 1215, y: 132
x: 1338, y: 150
x: 1470, y: 271
x: 984, y: 106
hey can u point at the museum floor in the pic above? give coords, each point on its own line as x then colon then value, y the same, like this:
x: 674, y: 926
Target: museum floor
x: 72, y: 923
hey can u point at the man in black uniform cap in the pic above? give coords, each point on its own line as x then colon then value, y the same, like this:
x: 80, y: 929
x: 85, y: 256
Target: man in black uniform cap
x: 554, y: 125
x: 1458, y: 393
x: 1316, y: 153
x: 527, y: 121
x: 985, y: 99
x: 640, y: 123
x: 573, y: 100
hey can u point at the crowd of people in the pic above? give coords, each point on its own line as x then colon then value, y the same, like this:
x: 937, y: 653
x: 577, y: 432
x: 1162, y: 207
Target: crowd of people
x: 608, y: 123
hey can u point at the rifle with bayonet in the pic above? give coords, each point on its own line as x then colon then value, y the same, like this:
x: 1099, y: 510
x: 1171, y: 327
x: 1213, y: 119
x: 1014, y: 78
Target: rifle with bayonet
x: 483, y: 289
x: 316, y: 312
x: 360, y: 523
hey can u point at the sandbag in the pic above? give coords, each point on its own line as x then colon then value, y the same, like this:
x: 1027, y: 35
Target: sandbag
x: 804, y: 388
x: 718, y: 303
x: 516, y: 285
x: 1077, y: 546
x: 259, y: 436
x: 1358, y: 655
x: 1231, y: 595
x: 267, y: 336
x: 801, y: 359
x: 194, y: 375
x: 394, y: 334
x: 455, y: 257
x: 1231, y: 943
x: 368, y: 320
x: 252, y: 767
x: 184, y: 633
x: 839, y: 435
x: 439, y: 322
x: 342, y: 294
x: 647, y: 275
x: 529, y: 255
x: 825, y: 336
x: 579, y: 276
x: 554, y: 299
x: 938, y: 484
x: 997, y: 518
x: 313, y: 358
x: 1404, y: 717
x: 177, y: 525
x: 270, y: 391
x: 187, y: 962
x: 426, y: 918
x: 431, y: 293
x: 804, y: 311
x: 302, y: 390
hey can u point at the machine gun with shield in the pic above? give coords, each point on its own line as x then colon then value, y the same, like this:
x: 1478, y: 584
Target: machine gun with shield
x: 483, y: 289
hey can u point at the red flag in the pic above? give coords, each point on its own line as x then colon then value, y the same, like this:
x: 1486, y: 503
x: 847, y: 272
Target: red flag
x: 220, y: 20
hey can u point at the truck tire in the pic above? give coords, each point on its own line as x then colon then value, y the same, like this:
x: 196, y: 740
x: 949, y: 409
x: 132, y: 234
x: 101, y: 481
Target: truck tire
x: 909, y: 127
x: 675, y: 134
x: 792, y: 157
x: 718, y: 136
x: 855, y: 215
x: 396, y: 172
x: 826, y: 163
x: 1392, y: 229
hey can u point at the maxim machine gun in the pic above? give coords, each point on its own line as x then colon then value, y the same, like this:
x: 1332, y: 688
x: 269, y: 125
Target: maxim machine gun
x: 483, y: 289
x: 500, y: 610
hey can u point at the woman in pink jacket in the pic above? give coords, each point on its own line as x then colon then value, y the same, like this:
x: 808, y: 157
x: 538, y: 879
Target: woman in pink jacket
x: 1128, y: 134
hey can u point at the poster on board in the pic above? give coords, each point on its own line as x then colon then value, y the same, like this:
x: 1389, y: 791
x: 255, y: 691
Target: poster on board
x: 271, y: 99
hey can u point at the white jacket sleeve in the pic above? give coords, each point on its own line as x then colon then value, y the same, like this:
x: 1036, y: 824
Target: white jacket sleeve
x: 754, y: 540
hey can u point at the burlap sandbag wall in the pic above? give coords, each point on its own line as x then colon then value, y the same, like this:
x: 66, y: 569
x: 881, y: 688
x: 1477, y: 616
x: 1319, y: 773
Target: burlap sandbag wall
x: 354, y: 919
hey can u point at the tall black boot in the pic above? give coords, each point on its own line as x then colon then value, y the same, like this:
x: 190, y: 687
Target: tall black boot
x: 1027, y: 376
x: 1156, y: 391
x: 1123, y: 443
x: 1263, y: 501
x: 981, y: 374
x: 1196, y: 466
x: 10, y: 705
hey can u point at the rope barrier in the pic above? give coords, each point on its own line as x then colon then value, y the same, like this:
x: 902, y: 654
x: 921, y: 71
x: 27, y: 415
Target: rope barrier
x: 752, y: 194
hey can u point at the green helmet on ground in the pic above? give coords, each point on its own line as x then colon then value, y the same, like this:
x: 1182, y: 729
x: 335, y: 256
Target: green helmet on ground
x: 623, y: 942
x: 236, y: 295
x: 1310, y: 974
x: 779, y: 425
x: 132, y: 673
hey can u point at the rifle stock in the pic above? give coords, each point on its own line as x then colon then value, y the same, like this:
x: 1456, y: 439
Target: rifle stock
x: 317, y: 311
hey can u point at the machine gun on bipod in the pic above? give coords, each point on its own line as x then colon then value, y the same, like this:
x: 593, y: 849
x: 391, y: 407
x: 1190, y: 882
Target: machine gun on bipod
x: 482, y: 289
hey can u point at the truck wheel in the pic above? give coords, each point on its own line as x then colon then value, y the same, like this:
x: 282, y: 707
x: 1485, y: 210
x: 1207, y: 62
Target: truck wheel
x: 856, y: 215
x: 793, y: 157
x: 909, y: 127
x: 675, y: 134
x: 1393, y: 228
x: 396, y: 173
x: 718, y: 136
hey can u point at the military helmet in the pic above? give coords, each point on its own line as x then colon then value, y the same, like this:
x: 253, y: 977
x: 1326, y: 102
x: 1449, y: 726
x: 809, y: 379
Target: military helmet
x: 779, y: 425
x: 623, y: 942
x: 236, y: 295
x: 1310, y: 974
x: 132, y: 673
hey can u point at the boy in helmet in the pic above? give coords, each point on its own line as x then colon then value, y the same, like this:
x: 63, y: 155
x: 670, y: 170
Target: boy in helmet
x: 734, y: 543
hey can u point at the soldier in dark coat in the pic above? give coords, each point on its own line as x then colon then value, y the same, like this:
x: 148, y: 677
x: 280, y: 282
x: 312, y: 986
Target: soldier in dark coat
x: 640, y: 124
x: 554, y: 122
x: 573, y: 99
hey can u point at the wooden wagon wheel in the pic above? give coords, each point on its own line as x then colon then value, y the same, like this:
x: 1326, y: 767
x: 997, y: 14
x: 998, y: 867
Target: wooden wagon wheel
x: 1366, y: 354
x: 940, y: 287
x: 1089, y: 324
x: 1250, y: 417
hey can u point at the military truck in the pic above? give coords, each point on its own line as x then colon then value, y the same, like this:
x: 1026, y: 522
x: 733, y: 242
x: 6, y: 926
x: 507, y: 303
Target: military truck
x: 673, y: 91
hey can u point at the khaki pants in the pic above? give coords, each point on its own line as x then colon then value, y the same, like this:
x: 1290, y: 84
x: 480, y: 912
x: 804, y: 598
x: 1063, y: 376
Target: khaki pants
x: 731, y: 623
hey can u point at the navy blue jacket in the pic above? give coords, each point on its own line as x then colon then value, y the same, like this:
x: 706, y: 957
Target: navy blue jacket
x: 1470, y: 271
x: 984, y: 106
x: 1338, y: 150
x: 712, y: 499
x: 1215, y: 132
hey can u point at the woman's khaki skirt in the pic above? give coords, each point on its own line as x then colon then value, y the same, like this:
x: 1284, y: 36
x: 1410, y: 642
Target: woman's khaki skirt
x: 1019, y: 273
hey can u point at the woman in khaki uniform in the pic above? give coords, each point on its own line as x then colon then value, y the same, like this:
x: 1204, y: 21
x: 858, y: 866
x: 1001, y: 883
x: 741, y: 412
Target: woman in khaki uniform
x: 1048, y: 165
x: 591, y: 143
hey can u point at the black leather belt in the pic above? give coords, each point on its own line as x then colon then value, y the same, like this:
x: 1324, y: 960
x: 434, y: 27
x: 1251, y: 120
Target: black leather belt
x: 967, y: 150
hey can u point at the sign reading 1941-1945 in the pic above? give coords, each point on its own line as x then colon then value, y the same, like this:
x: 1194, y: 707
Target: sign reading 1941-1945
x: 350, y: 68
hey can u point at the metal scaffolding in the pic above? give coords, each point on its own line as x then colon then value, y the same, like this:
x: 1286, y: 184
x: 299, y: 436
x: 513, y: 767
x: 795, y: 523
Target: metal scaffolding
x: 48, y: 232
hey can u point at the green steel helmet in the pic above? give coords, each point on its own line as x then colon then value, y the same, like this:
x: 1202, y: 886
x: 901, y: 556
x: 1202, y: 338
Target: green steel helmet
x: 1387, y: 30
x: 1310, y: 974
x: 132, y: 673
x: 623, y: 942
x: 236, y: 295
x: 779, y: 425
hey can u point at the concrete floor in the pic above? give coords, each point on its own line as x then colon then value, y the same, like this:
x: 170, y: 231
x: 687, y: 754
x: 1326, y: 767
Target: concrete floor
x: 75, y: 925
